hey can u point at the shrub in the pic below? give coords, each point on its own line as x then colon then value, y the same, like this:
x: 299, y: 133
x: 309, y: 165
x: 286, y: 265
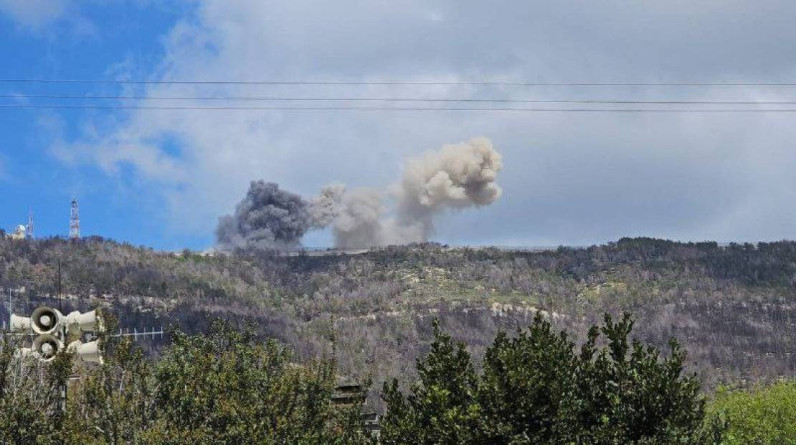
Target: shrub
x: 222, y: 387
x: 536, y: 388
x: 762, y: 415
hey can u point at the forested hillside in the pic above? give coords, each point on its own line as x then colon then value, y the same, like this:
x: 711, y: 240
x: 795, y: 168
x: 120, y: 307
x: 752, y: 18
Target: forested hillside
x: 732, y: 307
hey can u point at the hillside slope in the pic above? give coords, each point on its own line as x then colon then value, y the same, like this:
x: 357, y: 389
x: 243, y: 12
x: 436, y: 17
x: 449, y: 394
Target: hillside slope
x: 733, y: 307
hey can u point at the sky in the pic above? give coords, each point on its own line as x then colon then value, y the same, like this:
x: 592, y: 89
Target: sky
x: 162, y: 178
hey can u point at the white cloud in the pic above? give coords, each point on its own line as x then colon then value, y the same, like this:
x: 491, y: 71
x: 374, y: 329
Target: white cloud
x: 572, y: 178
x: 34, y: 13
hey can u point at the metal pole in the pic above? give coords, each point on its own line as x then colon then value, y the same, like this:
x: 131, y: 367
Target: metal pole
x: 60, y: 299
x: 63, y: 396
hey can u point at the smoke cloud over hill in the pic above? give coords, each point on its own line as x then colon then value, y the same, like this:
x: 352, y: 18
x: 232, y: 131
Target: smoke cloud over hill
x: 267, y: 217
x: 455, y: 177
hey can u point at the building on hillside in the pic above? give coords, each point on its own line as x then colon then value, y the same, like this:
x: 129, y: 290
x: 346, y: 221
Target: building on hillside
x: 20, y: 232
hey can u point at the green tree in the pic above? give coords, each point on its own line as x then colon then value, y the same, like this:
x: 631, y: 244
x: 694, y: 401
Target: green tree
x: 535, y: 388
x: 442, y: 406
x: 525, y: 385
x: 761, y: 415
x: 30, y: 395
x: 626, y: 393
x: 226, y: 387
x: 114, y: 403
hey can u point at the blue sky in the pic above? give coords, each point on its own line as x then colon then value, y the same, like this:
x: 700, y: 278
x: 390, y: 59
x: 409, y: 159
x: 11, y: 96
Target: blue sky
x: 161, y: 178
x: 84, y: 43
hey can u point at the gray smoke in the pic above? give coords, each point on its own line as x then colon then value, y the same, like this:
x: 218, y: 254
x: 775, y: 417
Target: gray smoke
x: 455, y: 177
x: 360, y: 221
x: 325, y: 207
x: 267, y: 218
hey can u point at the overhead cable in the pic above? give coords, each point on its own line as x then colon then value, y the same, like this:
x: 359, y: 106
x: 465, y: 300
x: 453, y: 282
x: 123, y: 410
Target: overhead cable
x: 392, y: 82
x: 391, y: 99
x: 346, y: 108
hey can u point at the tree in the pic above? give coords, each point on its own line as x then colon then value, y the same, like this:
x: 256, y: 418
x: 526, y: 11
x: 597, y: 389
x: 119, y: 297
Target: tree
x: 30, y: 396
x: 442, y: 407
x: 525, y: 383
x: 535, y: 388
x: 226, y: 386
x: 627, y: 393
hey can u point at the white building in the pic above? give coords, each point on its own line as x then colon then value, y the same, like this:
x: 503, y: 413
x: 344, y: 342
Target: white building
x: 19, y: 233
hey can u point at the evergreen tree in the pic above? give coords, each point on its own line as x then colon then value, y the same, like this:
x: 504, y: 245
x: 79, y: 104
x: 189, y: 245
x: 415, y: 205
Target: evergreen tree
x: 536, y: 388
x: 442, y: 406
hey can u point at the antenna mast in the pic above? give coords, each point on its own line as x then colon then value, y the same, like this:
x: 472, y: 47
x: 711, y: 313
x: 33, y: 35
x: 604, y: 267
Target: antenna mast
x: 60, y: 297
x: 29, y: 231
x: 74, y: 221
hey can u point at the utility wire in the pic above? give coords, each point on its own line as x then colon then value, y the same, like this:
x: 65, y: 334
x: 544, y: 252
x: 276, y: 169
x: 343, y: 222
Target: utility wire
x: 535, y: 110
x: 394, y: 99
x: 306, y: 82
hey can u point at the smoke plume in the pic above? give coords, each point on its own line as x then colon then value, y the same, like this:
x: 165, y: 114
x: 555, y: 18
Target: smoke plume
x: 267, y: 218
x: 455, y: 177
x: 325, y: 207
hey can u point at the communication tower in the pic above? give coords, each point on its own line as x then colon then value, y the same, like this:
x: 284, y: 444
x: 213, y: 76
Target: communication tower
x: 29, y: 232
x: 74, y: 222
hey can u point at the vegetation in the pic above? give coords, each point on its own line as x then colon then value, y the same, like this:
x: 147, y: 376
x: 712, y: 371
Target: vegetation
x: 223, y: 387
x: 30, y: 397
x: 535, y: 388
x: 730, y: 306
x: 761, y: 415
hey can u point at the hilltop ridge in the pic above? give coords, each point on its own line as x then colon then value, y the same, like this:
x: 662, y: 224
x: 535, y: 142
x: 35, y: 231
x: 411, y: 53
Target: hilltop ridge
x: 732, y: 306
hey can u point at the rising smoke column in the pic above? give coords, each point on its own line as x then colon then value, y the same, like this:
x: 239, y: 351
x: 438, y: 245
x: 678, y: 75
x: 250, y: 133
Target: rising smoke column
x: 326, y: 207
x: 360, y: 220
x: 455, y: 177
x: 267, y: 218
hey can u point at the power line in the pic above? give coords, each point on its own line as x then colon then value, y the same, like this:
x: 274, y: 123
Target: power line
x: 449, y: 83
x: 274, y: 108
x: 395, y: 99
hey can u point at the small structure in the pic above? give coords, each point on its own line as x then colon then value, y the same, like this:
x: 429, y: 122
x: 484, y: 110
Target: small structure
x: 20, y: 232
